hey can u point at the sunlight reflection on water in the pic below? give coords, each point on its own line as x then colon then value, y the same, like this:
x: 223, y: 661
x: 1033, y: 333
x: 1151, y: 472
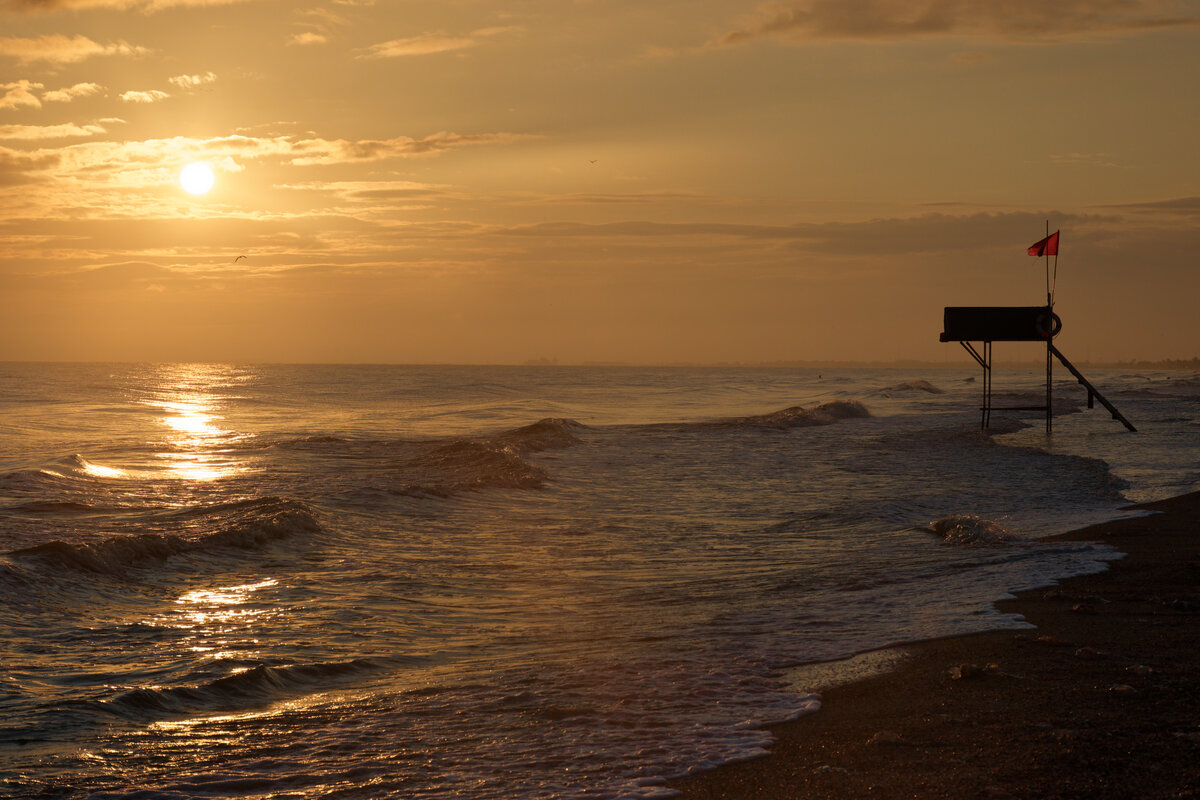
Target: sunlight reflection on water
x: 197, y: 449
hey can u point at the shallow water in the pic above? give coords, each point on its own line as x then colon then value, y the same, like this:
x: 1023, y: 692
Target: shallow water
x: 354, y: 581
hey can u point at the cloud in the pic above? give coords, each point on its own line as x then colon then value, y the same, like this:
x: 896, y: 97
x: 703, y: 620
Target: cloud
x: 59, y: 49
x: 146, y: 5
x: 429, y: 43
x: 323, y: 16
x: 308, y: 37
x: 930, y: 233
x: 1189, y: 206
x: 873, y: 20
x: 151, y: 96
x: 376, y: 190
x: 192, y: 81
x: 628, y: 198
x: 307, y: 152
x: 20, y: 94
x: 71, y: 92
x: 319, y: 23
x: 127, y: 176
x: 424, y: 44
x: 1086, y: 159
x: 16, y: 167
x: 34, y: 132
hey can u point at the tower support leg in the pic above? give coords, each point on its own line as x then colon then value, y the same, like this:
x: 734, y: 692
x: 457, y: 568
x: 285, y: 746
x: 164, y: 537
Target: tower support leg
x: 985, y: 361
x: 1049, y: 379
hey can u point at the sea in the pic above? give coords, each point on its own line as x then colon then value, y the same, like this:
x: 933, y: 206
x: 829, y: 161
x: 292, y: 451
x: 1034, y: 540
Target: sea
x: 299, y: 581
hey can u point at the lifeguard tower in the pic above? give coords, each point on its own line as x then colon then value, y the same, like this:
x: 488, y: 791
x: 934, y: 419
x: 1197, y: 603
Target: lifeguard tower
x: 988, y: 324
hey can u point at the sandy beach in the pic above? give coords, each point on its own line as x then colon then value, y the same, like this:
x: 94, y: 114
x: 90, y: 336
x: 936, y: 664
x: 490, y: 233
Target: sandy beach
x: 1101, y: 700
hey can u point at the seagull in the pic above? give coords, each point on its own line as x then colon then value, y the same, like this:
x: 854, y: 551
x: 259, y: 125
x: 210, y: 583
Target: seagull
x: 239, y: 258
x: 593, y: 160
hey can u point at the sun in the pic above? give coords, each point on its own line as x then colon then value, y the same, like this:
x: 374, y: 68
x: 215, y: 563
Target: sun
x: 197, y: 178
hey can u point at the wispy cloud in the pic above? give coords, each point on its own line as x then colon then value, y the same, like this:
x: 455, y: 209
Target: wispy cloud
x: 1188, y: 206
x: 930, y: 233
x: 193, y: 81
x: 318, y: 24
x: 377, y: 190
x: 621, y: 199
x: 71, y: 92
x: 145, y: 5
x: 1086, y: 159
x: 429, y: 43
x: 59, y: 49
x: 34, y: 132
x: 308, y: 37
x: 134, y: 167
x: 20, y: 167
x: 812, y: 20
x: 20, y: 94
x: 150, y: 96
x: 307, y: 152
x: 424, y: 44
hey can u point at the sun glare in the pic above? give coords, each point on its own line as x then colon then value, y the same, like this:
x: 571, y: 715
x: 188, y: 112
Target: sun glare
x: 196, y: 178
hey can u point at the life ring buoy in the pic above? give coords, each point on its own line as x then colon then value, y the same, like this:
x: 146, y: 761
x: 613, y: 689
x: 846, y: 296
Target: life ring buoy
x: 1048, y: 324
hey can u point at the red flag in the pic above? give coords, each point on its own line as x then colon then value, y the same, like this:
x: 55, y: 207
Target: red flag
x: 1046, y: 247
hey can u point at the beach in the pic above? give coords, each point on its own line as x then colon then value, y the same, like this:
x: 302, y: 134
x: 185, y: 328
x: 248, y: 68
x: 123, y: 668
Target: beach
x: 1100, y: 700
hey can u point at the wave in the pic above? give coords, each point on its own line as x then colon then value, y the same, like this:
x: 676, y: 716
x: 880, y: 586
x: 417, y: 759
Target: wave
x: 915, y: 385
x: 469, y: 465
x: 258, y: 685
x: 495, y: 462
x: 302, y: 442
x: 969, y: 529
x: 552, y: 433
x: 249, y: 524
x: 74, y: 470
x: 55, y: 507
x: 796, y: 416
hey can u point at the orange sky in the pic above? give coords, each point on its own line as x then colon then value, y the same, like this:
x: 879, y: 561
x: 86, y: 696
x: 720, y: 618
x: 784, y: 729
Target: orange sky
x: 592, y: 180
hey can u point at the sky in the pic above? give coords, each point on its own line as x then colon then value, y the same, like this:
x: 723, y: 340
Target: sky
x: 477, y: 181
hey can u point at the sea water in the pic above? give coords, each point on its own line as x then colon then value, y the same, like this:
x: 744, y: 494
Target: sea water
x: 507, y: 582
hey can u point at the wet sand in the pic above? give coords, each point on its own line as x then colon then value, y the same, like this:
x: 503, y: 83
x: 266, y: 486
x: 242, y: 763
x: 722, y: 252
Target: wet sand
x: 1101, y: 700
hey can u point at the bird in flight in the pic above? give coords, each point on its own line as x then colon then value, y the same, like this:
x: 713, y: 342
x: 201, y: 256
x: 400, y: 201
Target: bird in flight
x: 593, y: 160
x: 239, y: 258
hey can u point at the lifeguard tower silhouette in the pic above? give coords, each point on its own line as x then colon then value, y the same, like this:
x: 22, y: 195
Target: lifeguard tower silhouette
x: 987, y: 324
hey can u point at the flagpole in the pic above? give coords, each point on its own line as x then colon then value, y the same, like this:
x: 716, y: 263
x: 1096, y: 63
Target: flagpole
x: 1049, y: 295
x: 1054, y: 282
x: 1049, y: 310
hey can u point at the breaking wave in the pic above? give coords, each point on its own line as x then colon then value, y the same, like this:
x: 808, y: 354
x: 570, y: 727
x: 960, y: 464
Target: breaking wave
x: 796, y: 416
x: 969, y: 529
x: 251, y: 687
x: 915, y: 385
x: 249, y: 524
x: 466, y: 465
x: 495, y: 462
x: 551, y: 433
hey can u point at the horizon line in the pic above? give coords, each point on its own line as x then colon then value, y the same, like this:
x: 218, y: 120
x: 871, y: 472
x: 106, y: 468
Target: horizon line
x: 1163, y: 363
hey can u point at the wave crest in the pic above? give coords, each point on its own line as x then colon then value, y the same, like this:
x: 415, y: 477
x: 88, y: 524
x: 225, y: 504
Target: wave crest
x: 798, y: 417
x: 552, y: 433
x: 915, y: 385
x: 250, y: 524
x: 495, y: 462
x: 255, y: 686
x: 969, y: 529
